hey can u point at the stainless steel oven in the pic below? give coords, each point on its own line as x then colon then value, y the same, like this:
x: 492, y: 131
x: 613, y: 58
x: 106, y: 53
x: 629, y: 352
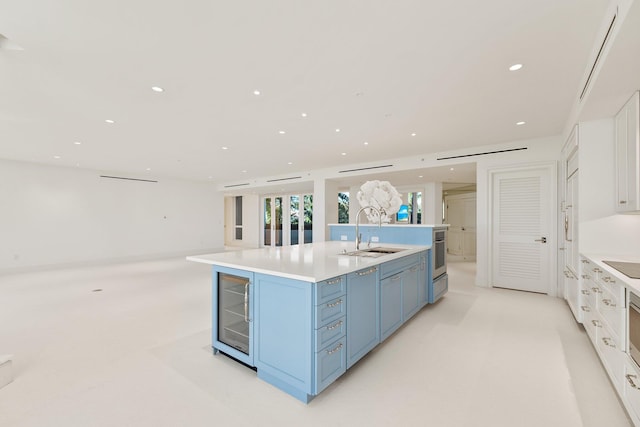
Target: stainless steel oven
x: 634, y: 327
x: 439, y: 263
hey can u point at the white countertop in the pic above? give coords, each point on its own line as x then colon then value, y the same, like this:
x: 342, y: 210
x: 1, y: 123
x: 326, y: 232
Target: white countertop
x: 312, y: 262
x: 370, y: 224
x: 632, y: 284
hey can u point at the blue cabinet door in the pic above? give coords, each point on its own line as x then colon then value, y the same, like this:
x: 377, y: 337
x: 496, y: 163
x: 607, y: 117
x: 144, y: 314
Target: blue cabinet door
x: 284, y: 333
x: 390, y: 305
x: 363, y: 329
x: 410, y: 292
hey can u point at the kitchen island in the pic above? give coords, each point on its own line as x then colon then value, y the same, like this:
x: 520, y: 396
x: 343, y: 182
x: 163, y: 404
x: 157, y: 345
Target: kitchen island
x: 302, y: 315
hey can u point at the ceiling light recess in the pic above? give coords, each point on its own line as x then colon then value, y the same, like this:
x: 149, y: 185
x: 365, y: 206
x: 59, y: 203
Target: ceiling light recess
x: 515, y: 67
x: 157, y: 89
x: 520, y: 123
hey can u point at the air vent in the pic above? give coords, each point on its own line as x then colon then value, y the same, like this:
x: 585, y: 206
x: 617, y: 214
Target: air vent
x: 481, y: 154
x: 284, y: 179
x: 126, y: 179
x: 365, y: 169
x: 236, y: 185
x: 597, y: 60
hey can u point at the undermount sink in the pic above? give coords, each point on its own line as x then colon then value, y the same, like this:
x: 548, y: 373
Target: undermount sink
x: 374, y: 252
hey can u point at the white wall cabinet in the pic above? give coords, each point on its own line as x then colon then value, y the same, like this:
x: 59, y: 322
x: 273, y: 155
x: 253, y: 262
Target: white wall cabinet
x: 627, y: 156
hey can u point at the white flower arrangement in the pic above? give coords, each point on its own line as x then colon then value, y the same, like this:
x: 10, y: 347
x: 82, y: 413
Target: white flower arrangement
x: 381, y: 195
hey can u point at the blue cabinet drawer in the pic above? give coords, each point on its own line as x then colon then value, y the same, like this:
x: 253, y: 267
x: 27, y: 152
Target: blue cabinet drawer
x: 330, y: 311
x: 330, y: 289
x: 391, y: 267
x: 330, y: 363
x: 330, y: 332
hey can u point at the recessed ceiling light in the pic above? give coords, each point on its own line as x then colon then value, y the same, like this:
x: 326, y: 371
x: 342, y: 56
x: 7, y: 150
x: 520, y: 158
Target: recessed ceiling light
x: 281, y: 132
x: 451, y: 169
x: 78, y: 143
x: 157, y: 89
x: 515, y: 67
x: 210, y: 177
x: 520, y: 123
x: 244, y: 171
x: 256, y: 92
x: 148, y: 169
x: 110, y: 121
x: 366, y: 143
x: 304, y: 114
x: 225, y: 148
x: 337, y: 130
x: 419, y: 176
x: 56, y: 157
x: 289, y: 163
x: 344, y: 154
x: 413, y: 134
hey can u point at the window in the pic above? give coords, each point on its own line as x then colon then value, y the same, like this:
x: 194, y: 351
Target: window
x: 415, y: 207
x: 238, y: 218
x: 343, y: 208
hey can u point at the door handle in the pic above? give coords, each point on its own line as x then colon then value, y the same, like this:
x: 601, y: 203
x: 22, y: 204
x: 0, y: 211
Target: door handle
x: 541, y: 240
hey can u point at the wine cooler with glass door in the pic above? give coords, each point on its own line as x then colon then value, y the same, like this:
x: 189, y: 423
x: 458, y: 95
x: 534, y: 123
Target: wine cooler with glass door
x: 232, y: 324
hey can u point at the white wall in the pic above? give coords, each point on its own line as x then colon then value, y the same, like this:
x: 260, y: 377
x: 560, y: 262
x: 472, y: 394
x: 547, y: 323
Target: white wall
x: 601, y: 230
x: 251, y: 216
x: 55, y: 215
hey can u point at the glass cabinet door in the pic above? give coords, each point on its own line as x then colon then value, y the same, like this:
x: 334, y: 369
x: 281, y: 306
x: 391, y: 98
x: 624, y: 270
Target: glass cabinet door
x: 233, y: 311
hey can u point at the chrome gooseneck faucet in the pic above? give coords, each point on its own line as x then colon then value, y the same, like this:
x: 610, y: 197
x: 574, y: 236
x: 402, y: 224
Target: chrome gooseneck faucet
x: 358, y: 235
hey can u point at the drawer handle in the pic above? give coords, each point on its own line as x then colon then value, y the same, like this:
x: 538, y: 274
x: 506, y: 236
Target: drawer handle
x: 413, y: 269
x: 335, y: 325
x: 596, y: 323
x: 333, y: 350
x: 584, y: 261
x: 585, y: 308
x: 596, y: 290
x: 597, y: 270
x: 586, y: 276
x: 630, y: 379
x: 585, y: 292
x: 334, y: 281
x: 608, y: 279
x: 608, y: 342
x: 395, y: 278
x: 369, y: 271
x: 335, y: 304
x: 608, y: 302
x: 623, y: 202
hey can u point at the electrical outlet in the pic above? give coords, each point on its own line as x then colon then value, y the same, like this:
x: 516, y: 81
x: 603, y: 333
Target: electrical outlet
x: 374, y: 239
x: 343, y: 237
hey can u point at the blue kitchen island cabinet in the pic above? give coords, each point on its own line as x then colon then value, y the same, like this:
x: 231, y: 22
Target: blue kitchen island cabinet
x: 306, y: 314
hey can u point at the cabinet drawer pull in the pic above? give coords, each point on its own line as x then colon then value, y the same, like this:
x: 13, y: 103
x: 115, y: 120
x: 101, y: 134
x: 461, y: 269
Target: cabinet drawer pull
x: 630, y: 379
x: 585, y: 292
x: 335, y: 304
x: 608, y: 302
x: 597, y: 270
x: 596, y: 290
x: 584, y: 261
x: 623, y: 202
x: 395, y: 278
x: 586, y: 276
x: 334, y: 281
x: 608, y: 279
x: 596, y: 323
x: 585, y: 308
x: 413, y: 269
x: 607, y: 341
x: 366, y: 272
x: 333, y: 350
x: 335, y: 325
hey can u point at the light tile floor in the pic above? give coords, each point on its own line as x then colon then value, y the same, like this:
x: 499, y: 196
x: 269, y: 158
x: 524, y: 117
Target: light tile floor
x: 137, y: 353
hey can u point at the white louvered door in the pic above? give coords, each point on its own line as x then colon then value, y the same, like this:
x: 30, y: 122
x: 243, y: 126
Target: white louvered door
x: 521, y: 230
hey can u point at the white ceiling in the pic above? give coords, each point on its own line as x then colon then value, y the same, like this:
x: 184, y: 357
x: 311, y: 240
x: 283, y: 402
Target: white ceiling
x: 377, y: 70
